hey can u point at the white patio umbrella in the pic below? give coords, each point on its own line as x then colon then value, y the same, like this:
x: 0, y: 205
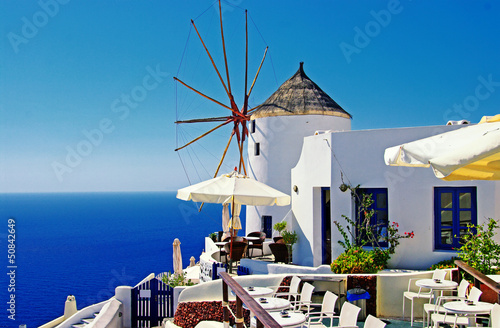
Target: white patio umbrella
x: 177, y: 257
x: 234, y: 189
x: 469, y: 153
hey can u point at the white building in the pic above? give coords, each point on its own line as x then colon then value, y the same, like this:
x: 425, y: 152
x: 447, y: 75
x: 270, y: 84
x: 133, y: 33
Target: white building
x: 312, y: 167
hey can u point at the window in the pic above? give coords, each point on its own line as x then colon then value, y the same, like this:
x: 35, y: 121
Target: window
x: 267, y: 225
x: 252, y: 126
x: 454, y: 208
x: 380, y: 219
x: 257, y: 149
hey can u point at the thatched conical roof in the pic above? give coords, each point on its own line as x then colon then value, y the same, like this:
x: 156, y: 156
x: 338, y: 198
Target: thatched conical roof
x: 299, y: 96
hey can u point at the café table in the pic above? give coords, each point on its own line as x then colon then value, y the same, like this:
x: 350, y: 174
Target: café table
x: 251, y: 240
x: 292, y: 319
x: 221, y: 244
x: 273, y: 303
x: 464, y: 308
x: 258, y: 291
x: 436, y: 285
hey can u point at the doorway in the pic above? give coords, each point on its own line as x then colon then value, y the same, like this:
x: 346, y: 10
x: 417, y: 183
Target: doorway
x: 326, y: 226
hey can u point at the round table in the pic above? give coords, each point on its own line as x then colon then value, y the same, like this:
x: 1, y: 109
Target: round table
x: 258, y: 291
x: 273, y: 303
x: 432, y: 284
x: 461, y: 307
x: 293, y: 319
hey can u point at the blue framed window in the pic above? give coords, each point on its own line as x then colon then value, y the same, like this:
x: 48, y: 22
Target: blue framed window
x: 454, y: 208
x: 380, y: 219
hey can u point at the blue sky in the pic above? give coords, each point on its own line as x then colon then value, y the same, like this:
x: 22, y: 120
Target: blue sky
x: 88, y: 101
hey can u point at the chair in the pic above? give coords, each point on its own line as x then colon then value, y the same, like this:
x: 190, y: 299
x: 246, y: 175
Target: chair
x: 239, y: 250
x: 373, y: 322
x: 293, y: 289
x: 348, y: 316
x: 429, y: 308
x: 494, y: 319
x: 257, y: 244
x: 278, y: 238
x: 304, y: 301
x: 280, y: 252
x: 452, y: 318
x: 412, y: 295
x: 327, y: 311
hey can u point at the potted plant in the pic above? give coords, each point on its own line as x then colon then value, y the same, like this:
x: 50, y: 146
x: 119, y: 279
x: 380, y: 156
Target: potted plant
x: 290, y: 238
x: 213, y: 236
x: 280, y: 226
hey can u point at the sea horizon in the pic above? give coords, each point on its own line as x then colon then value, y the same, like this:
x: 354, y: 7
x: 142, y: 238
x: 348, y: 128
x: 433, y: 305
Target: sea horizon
x: 87, y: 243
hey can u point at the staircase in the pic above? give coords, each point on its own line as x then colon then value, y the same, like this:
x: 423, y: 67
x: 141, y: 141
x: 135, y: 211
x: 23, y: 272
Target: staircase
x: 84, y: 322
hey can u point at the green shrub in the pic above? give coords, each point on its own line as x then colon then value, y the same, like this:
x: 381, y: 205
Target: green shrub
x: 358, y: 260
x: 174, y: 280
x: 479, y: 250
x: 444, y: 264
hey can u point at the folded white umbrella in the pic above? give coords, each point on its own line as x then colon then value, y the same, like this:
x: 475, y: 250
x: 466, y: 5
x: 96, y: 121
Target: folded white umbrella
x: 177, y: 257
x: 469, y: 153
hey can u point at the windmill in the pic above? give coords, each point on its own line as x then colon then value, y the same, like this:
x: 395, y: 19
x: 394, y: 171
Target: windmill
x: 237, y: 116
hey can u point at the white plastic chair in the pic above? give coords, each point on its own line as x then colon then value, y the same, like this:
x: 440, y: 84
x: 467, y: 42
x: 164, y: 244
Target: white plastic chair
x: 293, y: 289
x: 452, y: 318
x: 327, y: 311
x: 494, y: 319
x: 373, y: 322
x: 422, y: 293
x: 304, y: 301
x: 429, y: 309
x: 348, y: 316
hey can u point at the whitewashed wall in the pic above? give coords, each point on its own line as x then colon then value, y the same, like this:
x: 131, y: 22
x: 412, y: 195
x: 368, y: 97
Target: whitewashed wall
x: 410, y: 192
x: 281, y: 139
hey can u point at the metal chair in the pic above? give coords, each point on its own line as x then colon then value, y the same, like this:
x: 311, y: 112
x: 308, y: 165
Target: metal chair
x: 412, y: 295
x: 452, y: 318
x: 327, y: 311
x: 303, y: 304
x: 373, y: 322
x: 293, y: 289
x: 429, y: 308
x: 348, y: 316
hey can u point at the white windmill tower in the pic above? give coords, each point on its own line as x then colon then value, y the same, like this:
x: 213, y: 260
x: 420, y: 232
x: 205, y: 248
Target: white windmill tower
x: 297, y: 109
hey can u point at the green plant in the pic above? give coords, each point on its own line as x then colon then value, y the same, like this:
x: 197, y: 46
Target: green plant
x: 444, y: 264
x: 280, y: 226
x: 289, y: 237
x: 213, y: 236
x: 479, y: 250
x: 358, y: 234
x: 357, y: 260
x: 174, y: 280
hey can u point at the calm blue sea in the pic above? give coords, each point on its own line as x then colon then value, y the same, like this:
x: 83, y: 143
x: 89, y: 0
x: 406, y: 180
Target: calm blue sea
x: 86, y: 244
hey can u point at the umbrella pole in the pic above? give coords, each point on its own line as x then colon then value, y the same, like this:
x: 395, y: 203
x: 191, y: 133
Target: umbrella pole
x: 232, y: 233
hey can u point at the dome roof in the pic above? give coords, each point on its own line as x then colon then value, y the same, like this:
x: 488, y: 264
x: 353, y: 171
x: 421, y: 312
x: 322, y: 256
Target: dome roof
x: 299, y: 96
